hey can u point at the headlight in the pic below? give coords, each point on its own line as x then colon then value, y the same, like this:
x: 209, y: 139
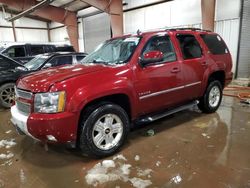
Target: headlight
x: 49, y: 102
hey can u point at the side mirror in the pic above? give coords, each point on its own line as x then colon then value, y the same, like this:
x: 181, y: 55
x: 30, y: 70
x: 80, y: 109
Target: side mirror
x: 151, y: 57
x: 47, y: 65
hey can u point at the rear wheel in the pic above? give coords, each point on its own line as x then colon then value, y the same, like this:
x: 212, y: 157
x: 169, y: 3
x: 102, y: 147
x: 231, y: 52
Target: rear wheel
x: 7, y: 95
x: 104, y: 130
x: 211, y: 100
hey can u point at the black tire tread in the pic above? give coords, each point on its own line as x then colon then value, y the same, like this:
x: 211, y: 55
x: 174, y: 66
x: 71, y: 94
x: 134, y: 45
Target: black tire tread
x: 85, y: 142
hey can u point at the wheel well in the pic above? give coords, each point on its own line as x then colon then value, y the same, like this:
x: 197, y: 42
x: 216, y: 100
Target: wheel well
x: 218, y: 75
x: 120, y: 99
x: 7, y: 82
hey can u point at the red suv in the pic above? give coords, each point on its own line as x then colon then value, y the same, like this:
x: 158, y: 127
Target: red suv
x: 127, y: 80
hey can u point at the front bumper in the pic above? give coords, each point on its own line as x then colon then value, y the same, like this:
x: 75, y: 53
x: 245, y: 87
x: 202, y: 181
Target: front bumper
x: 59, y: 128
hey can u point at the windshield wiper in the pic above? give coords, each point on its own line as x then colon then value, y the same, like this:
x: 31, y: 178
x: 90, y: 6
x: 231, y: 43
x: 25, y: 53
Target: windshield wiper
x: 100, y: 62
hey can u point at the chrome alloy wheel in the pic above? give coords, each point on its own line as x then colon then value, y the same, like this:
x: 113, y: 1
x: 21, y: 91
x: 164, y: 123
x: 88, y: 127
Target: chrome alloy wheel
x: 107, y: 131
x: 214, y: 96
x: 8, y: 95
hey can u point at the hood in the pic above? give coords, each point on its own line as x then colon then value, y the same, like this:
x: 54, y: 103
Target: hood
x: 41, y: 81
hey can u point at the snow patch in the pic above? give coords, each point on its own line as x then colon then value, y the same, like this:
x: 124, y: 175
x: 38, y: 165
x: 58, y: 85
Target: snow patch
x: 137, y: 158
x: 176, y: 179
x: 158, y: 163
x: 140, y: 183
x: 22, y: 176
x: 7, y: 144
x: 116, y: 169
x: 205, y: 135
x: 108, y: 163
x: 8, y: 132
x: 6, y: 156
x: 146, y: 172
x: 120, y: 156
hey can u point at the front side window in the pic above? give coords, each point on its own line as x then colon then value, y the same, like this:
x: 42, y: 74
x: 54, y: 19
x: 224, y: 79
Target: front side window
x: 162, y: 44
x: 112, y: 52
x: 62, y: 60
x: 79, y: 57
x: 15, y: 51
x: 189, y: 46
x: 215, y: 44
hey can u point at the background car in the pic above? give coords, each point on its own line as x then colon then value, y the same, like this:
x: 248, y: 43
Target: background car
x: 10, y: 74
x: 25, y: 52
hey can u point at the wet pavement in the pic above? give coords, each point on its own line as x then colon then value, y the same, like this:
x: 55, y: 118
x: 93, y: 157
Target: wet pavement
x: 189, y: 149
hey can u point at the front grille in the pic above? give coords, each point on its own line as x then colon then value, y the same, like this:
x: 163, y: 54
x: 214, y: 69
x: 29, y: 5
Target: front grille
x: 23, y: 107
x: 23, y: 94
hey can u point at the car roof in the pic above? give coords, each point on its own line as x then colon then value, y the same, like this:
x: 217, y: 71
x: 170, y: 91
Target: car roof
x: 167, y: 30
x: 63, y: 53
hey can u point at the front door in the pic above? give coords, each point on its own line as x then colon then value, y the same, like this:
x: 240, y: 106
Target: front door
x: 159, y: 85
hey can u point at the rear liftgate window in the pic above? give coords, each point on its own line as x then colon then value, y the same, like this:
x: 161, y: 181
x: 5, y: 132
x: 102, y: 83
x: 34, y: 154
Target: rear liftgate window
x: 215, y: 44
x: 189, y: 46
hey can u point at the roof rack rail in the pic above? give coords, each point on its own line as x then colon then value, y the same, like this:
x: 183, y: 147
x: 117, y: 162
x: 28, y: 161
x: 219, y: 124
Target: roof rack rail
x: 187, y: 28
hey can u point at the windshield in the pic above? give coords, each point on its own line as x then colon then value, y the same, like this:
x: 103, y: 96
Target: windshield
x: 113, y: 52
x: 37, y: 62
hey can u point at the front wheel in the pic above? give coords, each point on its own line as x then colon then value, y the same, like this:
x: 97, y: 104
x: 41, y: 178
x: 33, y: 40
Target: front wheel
x: 104, y: 130
x: 211, y: 100
x: 7, y: 95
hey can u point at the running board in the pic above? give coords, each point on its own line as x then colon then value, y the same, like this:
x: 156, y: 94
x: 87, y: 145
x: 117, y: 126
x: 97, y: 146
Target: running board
x: 152, y: 118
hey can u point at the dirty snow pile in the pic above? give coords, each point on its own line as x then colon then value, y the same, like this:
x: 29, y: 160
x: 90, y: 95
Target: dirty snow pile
x: 7, y: 144
x: 117, y: 169
x: 6, y: 156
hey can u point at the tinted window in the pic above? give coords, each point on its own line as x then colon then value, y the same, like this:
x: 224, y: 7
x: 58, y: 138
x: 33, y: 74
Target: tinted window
x: 35, y: 50
x: 62, y: 60
x: 215, y: 44
x: 15, y: 51
x: 163, y: 44
x: 189, y: 46
x: 79, y: 57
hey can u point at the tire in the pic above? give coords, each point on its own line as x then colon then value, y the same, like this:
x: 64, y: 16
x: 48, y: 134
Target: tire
x: 7, y: 95
x: 211, y: 100
x: 99, y: 125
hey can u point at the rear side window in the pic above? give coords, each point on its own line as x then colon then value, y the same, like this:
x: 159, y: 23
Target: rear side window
x: 35, y: 50
x: 190, y: 47
x: 215, y: 44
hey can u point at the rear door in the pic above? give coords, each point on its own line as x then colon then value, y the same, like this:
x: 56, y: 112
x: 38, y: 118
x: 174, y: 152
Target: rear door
x: 194, y: 64
x: 159, y: 85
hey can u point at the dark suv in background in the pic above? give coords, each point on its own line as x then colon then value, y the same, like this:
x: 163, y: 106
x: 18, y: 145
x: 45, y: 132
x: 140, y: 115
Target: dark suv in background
x: 25, y: 52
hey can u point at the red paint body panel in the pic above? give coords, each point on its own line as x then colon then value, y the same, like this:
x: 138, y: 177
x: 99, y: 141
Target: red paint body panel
x: 149, y: 89
x: 63, y: 126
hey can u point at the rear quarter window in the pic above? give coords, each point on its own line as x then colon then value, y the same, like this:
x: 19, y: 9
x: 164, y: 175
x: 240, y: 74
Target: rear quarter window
x: 215, y: 44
